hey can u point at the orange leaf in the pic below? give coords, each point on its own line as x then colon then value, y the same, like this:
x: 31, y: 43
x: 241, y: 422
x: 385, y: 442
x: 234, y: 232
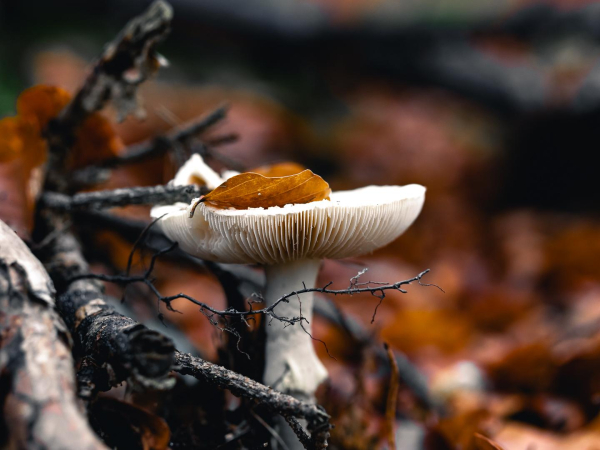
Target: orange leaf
x: 279, y: 170
x: 43, y: 103
x: 480, y: 442
x: 11, y: 144
x: 19, y: 138
x: 251, y: 190
x: 96, y: 139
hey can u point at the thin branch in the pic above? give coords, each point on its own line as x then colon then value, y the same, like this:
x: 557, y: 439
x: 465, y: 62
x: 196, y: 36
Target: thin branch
x: 151, y: 195
x: 162, y: 144
x: 269, y: 311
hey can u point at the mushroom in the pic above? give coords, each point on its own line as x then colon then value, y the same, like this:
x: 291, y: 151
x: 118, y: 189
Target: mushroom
x: 196, y: 171
x: 290, y: 242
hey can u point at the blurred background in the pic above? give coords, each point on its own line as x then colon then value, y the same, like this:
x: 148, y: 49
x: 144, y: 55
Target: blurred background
x: 493, y: 105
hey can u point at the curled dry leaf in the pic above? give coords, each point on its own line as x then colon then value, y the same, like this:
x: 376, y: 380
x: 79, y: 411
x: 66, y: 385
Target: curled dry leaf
x: 252, y: 190
x: 279, y: 170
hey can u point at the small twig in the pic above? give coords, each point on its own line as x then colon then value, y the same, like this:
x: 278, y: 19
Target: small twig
x: 139, y: 240
x: 151, y: 195
x: 269, y: 311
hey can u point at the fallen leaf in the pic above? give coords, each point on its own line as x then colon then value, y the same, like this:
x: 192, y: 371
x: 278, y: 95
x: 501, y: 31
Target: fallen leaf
x: 279, y: 170
x: 252, y: 190
x: 19, y: 137
x: 42, y: 102
x: 96, y: 140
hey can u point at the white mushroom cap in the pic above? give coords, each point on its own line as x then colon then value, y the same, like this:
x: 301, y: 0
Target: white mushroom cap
x: 227, y: 174
x: 195, y: 167
x: 352, y: 223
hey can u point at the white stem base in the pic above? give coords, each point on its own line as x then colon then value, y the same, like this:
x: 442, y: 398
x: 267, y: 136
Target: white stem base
x: 291, y: 364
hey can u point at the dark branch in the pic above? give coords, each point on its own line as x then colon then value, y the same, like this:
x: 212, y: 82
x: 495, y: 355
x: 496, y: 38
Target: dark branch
x: 244, y: 387
x: 126, y: 62
x: 116, y: 347
x: 298, y: 430
x: 210, y: 312
x: 151, y: 195
x: 162, y: 144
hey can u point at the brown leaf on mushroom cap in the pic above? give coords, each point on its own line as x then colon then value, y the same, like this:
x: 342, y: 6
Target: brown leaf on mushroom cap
x: 252, y: 190
x: 279, y: 170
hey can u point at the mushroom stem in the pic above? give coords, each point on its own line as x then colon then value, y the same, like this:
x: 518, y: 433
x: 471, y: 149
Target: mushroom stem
x: 291, y: 364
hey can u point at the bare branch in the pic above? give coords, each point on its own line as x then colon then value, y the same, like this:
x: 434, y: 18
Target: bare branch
x: 151, y: 195
x: 117, y: 347
x: 126, y: 62
x: 269, y: 311
x: 244, y: 387
x: 162, y: 144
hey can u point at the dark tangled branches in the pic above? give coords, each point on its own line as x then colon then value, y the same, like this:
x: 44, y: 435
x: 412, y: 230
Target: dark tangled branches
x: 377, y: 289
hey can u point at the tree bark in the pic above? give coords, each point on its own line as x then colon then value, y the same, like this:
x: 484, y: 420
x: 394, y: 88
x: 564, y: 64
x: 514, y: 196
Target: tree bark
x: 38, y: 396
